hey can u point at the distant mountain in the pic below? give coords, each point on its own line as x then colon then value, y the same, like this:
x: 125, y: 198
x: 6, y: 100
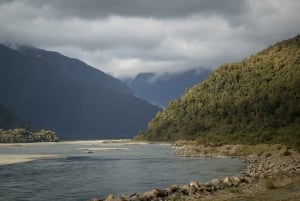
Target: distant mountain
x: 160, y: 89
x: 8, y: 120
x: 51, y: 91
x: 254, y: 101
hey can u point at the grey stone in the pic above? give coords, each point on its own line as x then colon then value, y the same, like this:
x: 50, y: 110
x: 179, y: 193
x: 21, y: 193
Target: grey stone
x: 192, y: 190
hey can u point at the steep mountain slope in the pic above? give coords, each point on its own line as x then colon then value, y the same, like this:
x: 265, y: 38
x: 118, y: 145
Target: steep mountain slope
x: 51, y: 91
x: 160, y: 89
x: 77, y: 70
x: 256, y: 100
x: 8, y: 120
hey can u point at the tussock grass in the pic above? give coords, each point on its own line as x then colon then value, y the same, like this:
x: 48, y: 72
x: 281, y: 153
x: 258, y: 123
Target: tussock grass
x: 244, y: 150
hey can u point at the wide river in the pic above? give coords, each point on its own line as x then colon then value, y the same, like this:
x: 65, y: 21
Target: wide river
x: 111, y: 168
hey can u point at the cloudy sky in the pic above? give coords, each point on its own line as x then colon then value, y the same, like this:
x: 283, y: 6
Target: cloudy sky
x: 125, y: 37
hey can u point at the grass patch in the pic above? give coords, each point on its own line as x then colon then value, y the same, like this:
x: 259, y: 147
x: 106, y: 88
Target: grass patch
x: 245, y: 150
x: 234, y: 190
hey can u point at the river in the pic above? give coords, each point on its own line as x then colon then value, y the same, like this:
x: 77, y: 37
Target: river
x: 111, y: 168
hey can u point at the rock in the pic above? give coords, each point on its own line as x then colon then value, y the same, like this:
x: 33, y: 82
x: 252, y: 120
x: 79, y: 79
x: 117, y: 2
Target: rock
x: 150, y: 194
x: 202, y: 188
x: 192, y: 190
x: 175, y: 196
x: 246, y: 180
x: 194, y: 183
x: 121, y: 198
x: 96, y: 199
x: 236, y: 180
x: 134, y: 198
x: 110, y: 197
x: 132, y: 195
x: 161, y: 193
x: 261, y: 176
x: 218, y: 184
x: 174, y: 188
x: 271, y: 165
x: 227, y: 182
x: 215, y: 181
x: 184, y: 189
x: 210, y: 189
x: 168, y: 191
x: 208, y: 184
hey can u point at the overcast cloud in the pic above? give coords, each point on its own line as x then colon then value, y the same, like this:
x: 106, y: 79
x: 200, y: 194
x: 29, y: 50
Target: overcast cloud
x: 125, y: 37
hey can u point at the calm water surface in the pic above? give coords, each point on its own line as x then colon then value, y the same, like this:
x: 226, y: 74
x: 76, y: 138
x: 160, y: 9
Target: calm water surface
x: 121, y: 169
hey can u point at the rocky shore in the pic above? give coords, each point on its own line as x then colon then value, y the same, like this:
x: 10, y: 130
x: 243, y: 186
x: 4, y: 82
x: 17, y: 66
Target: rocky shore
x: 261, y: 166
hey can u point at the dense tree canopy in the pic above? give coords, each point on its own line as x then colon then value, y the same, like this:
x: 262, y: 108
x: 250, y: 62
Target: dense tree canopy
x: 22, y: 135
x: 255, y: 100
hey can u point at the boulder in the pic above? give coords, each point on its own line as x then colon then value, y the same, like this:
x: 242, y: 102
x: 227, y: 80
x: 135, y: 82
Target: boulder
x: 175, y: 196
x: 174, y: 188
x: 194, y: 183
x: 149, y: 195
x: 110, y: 197
x: 168, y: 191
x: 192, y: 190
x: 236, y: 180
x: 227, y: 181
x: 246, y: 180
x: 96, y: 199
x: 185, y: 189
x: 218, y: 184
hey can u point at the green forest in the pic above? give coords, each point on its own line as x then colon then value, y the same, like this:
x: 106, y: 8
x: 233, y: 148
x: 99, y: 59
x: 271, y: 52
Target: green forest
x: 18, y: 135
x: 254, y: 101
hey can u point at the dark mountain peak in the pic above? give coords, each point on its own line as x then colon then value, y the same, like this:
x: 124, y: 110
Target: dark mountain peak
x: 52, y: 91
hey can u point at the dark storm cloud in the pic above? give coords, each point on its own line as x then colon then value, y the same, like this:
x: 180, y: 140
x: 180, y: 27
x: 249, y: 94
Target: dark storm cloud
x: 142, y: 8
x: 125, y: 37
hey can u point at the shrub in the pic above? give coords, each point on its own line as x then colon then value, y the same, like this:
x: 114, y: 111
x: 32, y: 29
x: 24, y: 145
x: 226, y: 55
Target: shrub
x: 286, y: 153
x: 268, y: 155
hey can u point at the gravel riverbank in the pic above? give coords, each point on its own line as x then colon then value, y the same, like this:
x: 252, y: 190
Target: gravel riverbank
x: 6, y: 159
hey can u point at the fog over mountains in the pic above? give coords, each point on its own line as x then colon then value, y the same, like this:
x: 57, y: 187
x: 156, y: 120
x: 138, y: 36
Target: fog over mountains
x: 162, y: 88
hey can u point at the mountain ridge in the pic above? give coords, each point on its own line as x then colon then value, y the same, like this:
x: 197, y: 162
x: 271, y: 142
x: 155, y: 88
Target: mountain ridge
x: 73, y: 69
x: 41, y: 88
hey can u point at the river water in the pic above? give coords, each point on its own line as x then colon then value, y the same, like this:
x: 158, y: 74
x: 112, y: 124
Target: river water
x: 118, y: 168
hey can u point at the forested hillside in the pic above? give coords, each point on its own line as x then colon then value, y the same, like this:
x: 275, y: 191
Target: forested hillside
x: 254, y: 101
